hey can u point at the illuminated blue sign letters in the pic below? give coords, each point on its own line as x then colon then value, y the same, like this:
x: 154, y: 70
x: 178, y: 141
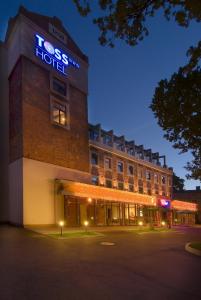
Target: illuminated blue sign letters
x: 55, y: 57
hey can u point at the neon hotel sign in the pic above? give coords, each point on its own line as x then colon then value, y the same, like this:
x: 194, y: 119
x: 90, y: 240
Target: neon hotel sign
x: 164, y: 203
x: 55, y: 57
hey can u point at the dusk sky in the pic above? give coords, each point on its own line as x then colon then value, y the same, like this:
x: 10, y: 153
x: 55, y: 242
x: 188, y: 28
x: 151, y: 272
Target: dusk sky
x: 122, y: 80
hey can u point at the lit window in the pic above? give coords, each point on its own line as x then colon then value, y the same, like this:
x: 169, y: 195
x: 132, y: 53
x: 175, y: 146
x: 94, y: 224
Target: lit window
x: 120, y: 167
x: 141, y: 211
x: 59, y: 114
x: 94, y: 158
x: 148, y: 175
x: 59, y: 86
x: 108, y: 163
x: 156, y: 178
x: 94, y: 180
x: 130, y: 170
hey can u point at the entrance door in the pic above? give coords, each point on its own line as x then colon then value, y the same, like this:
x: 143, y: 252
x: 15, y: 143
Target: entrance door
x: 71, y: 211
x: 109, y: 214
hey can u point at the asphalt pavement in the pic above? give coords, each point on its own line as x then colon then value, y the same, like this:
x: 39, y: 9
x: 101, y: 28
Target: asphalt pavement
x: 117, y: 265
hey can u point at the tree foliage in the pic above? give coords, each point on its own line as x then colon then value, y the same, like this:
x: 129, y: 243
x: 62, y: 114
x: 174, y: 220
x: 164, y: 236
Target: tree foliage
x: 126, y: 19
x: 178, y: 183
x: 177, y: 102
x: 177, y: 106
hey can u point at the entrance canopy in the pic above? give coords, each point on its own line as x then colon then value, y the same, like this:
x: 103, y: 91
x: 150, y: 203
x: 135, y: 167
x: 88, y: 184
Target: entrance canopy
x: 184, y: 206
x: 98, y: 192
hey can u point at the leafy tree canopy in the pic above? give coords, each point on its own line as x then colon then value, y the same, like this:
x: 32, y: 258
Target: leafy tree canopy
x: 178, y: 183
x: 177, y: 106
x: 177, y: 102
x: 126, y: 19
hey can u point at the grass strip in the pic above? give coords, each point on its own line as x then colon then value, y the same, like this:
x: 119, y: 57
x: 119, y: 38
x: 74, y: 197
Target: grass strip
x: 77, y: 234
x: 196, y: 245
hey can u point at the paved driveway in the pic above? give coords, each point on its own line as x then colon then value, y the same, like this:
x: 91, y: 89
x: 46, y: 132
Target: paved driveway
x: 138, y: 266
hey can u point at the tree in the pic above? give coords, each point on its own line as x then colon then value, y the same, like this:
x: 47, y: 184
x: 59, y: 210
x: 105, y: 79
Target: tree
x: 177, y: 102
x: 126, y: 19
x: 177, y: 106
x: 178, y: 183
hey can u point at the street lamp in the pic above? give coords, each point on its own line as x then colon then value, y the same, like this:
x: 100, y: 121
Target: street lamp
x: 140, y: 223
x: 86, y: 223
x: 61, y: 224
x: 163, y: 223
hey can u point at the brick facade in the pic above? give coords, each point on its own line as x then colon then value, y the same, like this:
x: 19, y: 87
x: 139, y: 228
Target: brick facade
x: 15, y: 113
x: 30, y: 100
x: 114, y: 175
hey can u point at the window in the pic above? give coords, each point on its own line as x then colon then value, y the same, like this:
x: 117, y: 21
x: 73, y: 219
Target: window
x: 94, y: 158
x: 108, y: 183
x: 130, y: 170
x: 59, y: 86
x: 120, y: 185
x: 170, y: 181
x: 163, y: 179
x: 148, y: 175
x: 140, y: 186
x: 130, y: 151
x: 120, y: 167
x: 93, y: 135
x: 94, y: 180
x: 108, y: 163
x: 156, y: 187
x: 119, y: 147
x: 130, y: 188
x: 107, y: 140
x: 156, y: 178
x: 149, y: 191
x: 140, y: 211
x: 59, y: 113
x: 140, y: 173
x: 140, y: 189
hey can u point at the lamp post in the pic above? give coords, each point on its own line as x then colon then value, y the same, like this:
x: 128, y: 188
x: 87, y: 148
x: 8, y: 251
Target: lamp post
x: 86, y: 223
x: 163, y: 223
x: 61, y: 224
x: 140, y: 223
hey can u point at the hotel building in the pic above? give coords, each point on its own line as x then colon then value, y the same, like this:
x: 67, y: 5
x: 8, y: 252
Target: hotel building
x: 58, y: 166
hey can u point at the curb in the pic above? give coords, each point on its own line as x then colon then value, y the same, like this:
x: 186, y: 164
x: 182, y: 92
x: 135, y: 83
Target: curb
x: 189, y: 249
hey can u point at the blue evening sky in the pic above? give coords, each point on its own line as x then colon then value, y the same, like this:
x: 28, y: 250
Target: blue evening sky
x: 122, y: 80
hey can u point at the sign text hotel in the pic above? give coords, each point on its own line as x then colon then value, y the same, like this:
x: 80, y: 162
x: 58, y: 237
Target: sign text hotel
x: 55, y: 57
